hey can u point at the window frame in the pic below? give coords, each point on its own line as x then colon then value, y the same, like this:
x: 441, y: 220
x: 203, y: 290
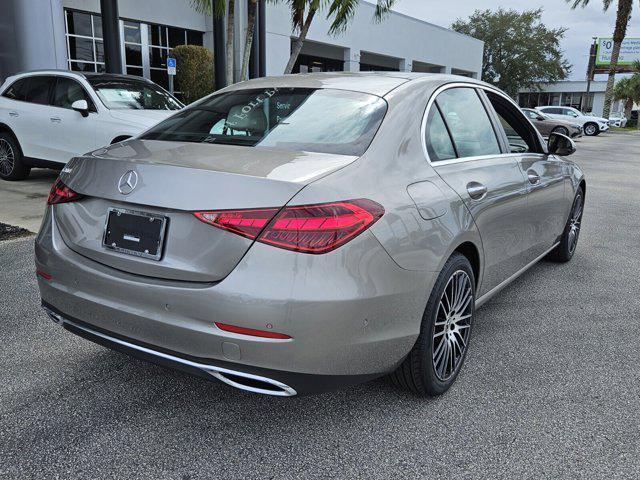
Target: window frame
x: 490, y: 113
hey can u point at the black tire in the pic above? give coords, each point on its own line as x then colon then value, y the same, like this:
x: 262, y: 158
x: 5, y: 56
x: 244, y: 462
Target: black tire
x: 561, y: 130
x: 418, y: 372
x: 591, y: 132
x: 569, y: 241
x: 11, y: 166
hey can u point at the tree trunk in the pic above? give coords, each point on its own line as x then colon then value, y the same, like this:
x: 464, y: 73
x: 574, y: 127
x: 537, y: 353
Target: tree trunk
x: 230, y: 31
x: 628, y: 107
x: 622, y: 19
x: 297, y: 46
x: 248, y: 40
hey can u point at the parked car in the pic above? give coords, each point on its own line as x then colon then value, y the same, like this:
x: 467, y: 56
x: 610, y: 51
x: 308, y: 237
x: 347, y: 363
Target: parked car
x: 618, y: 120
x: 546, y: 124
x: 292, y: 234
x: 591, y: 125
x: 49, y: 117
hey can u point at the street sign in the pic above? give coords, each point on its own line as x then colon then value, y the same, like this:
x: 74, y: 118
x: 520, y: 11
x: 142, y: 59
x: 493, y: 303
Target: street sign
x: 171, y: 66
x: 629, y: 51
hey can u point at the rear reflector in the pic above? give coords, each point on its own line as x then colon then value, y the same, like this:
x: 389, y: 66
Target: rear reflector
x: 251, y: 331
x: 315, y: 229
x: 44, y: 275
x: 60, y: 193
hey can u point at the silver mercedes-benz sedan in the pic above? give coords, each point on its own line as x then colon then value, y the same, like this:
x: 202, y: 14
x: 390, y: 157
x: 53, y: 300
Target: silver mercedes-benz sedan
x: 294, y: 234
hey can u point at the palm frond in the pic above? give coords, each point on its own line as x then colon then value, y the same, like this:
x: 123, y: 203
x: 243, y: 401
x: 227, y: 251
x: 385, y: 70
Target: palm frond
x: 383, y: 7
x: 342, y: 12
x: 216, y: 7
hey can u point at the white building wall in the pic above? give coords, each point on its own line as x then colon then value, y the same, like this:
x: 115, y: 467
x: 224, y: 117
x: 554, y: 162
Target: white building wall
x: 398, y: 35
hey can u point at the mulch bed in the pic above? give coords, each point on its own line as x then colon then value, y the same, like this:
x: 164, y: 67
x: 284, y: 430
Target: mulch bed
x: 8, y: 232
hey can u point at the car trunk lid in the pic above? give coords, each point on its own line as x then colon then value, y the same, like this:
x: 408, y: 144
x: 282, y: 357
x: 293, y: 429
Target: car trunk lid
x: 170, y: 181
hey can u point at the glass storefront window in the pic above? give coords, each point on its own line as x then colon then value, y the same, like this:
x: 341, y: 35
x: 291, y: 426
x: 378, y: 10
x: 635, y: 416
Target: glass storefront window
x: 85, y: 49
x: 148, y: 58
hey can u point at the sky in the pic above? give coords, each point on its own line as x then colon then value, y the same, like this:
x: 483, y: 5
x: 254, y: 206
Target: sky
x: 582, y: 23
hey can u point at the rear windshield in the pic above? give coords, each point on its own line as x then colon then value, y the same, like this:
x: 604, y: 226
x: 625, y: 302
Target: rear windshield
x: 127, y: 94
x: 326, y: 121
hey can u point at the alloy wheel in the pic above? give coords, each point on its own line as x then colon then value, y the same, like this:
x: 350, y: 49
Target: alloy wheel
x: 574, y: 223
x: 7, y: 158
x: 590, y: 129
x: 452, y: 326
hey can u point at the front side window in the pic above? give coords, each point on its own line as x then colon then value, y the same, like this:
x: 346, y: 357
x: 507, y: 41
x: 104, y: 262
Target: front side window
x: 301, y: 119
x: 39, y: 90
x: 468, y: 122
x: 118, y: 94
x: 68, y: 91
x: 520, y: 135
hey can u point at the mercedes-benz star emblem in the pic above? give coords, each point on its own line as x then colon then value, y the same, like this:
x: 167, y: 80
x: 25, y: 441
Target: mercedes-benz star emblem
x: 128, y: 182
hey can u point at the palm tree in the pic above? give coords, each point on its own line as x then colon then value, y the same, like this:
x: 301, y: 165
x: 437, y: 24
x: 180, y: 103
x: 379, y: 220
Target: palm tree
x: 251, y: 22
x: 339, y: 11
x: 623, y: 90
x: 218, y: 8
x: 622, y: 19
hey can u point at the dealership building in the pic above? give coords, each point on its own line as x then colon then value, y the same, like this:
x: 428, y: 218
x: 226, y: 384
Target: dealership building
x: 67, y: 34
x: 586, y: 96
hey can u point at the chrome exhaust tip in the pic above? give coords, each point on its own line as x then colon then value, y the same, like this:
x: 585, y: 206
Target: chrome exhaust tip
x: 254, y: 383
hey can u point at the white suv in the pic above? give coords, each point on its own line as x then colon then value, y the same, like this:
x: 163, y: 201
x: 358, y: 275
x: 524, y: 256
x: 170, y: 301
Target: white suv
x: 49, y: 117
x: 591, y: 125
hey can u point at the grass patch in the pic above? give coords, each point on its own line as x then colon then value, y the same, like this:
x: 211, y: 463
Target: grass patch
x: 623, y: 130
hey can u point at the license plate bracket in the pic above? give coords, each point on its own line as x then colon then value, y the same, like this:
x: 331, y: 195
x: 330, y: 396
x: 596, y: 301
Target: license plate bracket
x: 136, y: 233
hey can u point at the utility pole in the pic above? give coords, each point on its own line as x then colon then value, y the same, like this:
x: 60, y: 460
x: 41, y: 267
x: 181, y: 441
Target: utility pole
x: 219, y: 52
x: 591, y: 68
x: 111, y: 33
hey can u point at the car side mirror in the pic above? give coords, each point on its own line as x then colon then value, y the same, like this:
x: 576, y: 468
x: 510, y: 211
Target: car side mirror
x: 540, y: 118
x: 81, y: 106
x: 560, y: 144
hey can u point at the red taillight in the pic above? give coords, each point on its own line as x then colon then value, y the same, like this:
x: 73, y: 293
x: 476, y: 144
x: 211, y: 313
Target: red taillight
x: 60, y: 193
x: 248, y: 223
x: 306, y: 228
x: 251, y: 331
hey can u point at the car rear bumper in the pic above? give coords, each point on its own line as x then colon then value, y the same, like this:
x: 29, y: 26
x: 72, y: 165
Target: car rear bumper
x: 352, y: 314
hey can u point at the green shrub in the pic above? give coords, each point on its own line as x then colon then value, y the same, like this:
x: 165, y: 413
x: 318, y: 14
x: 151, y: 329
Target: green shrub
x: 194, y: 75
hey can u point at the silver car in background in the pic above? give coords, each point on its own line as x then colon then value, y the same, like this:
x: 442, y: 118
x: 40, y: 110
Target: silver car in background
x: 294, y: 234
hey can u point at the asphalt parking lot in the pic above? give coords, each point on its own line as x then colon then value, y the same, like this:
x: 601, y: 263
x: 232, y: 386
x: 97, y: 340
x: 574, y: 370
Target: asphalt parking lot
x: 550, y: 389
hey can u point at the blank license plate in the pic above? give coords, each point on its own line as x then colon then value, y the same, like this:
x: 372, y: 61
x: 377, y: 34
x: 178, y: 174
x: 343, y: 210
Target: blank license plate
x: 135, y: 233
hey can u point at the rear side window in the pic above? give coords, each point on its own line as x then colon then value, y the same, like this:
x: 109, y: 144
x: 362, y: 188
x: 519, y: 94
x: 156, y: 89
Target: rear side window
x: 301, y: 119
x: 18, y: 90
x: 40, y: 88
x: 553, y: 111
x: 68, y: 91
x: 468, y: 122
x: 439, y: 144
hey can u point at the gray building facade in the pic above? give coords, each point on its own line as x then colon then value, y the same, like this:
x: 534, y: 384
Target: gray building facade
x: 67, y: 34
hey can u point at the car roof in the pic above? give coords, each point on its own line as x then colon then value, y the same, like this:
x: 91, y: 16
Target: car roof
x: 375, y: 83
x: 85, y: 75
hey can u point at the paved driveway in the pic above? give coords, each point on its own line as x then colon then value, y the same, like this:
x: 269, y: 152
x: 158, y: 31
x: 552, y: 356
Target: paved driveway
x: 23, y: 202
x: 550, y: 389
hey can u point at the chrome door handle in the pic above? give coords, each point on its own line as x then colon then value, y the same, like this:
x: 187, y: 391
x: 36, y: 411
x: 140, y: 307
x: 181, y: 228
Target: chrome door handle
x: 476, y: 190
x: 14, y: 114
x: 56, y: 119
x: 533, y: 177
